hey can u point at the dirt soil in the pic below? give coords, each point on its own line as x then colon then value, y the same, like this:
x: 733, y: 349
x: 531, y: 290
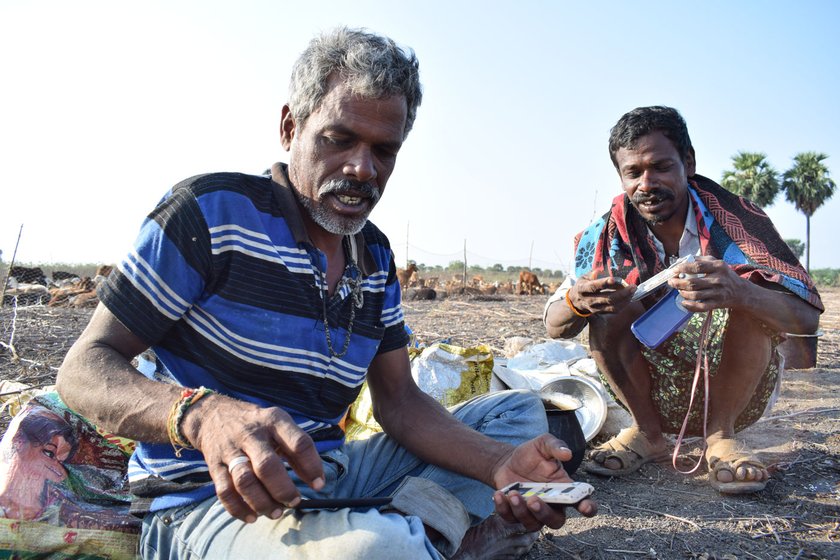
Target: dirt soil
x: 654, y: 513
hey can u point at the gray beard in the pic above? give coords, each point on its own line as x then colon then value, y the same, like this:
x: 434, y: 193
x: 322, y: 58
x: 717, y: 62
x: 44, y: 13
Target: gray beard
x: 338, y: 225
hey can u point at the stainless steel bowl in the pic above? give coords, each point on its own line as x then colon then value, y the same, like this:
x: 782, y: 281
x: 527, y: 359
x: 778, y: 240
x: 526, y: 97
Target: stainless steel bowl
x: 593, y: 411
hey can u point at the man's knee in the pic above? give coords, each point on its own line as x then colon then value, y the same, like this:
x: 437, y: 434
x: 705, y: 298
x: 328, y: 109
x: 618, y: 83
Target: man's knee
x: 517, y: 413
x: 615, y: 349
x: 745, y: 325
x: 525, y: 409
x: 609, y: 331
x: 747, y: 342
x: 384, y: 537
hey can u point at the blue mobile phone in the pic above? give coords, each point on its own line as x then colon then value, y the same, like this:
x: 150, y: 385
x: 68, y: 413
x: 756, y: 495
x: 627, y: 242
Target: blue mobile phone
x: 662, y: 320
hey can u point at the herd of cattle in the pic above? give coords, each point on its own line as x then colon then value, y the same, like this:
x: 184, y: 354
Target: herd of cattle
x: 416, y: 287
x: 31, y: 286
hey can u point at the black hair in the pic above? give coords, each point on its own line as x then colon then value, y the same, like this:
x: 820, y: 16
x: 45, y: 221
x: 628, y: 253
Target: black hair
x: 641, y: 121
x: 39, y: 427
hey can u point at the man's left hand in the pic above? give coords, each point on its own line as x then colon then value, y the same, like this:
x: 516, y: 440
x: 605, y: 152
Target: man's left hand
x: 708, y: 283
x: 537, y: 460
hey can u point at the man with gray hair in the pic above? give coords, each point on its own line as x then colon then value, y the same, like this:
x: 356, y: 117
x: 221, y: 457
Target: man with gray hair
x: 267, y: 302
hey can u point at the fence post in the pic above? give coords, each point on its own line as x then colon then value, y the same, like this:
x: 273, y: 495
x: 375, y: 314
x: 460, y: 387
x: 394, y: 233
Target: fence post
x: 9, y: 271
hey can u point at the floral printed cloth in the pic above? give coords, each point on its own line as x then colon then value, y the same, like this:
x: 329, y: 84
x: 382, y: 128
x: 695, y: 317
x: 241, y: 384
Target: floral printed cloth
x: 731, y: 228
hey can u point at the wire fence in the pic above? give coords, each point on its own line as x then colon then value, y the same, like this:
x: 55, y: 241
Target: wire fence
x: 425, y: 259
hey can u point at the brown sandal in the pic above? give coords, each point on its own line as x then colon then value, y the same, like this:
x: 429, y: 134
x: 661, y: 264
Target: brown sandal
x: 731, y: 462
x: 630, y: 448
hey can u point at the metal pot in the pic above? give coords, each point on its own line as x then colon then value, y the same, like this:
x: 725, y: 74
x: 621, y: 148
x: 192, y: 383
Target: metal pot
x: 564, y: 425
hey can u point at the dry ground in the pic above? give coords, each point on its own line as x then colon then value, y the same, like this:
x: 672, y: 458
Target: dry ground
x: 655, y: 513
x: 659, y: 513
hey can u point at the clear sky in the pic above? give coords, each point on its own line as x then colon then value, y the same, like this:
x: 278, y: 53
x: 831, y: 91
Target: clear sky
x: 105, y: 105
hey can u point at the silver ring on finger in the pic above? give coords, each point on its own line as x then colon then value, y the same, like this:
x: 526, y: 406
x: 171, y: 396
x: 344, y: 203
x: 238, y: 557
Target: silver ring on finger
x: 236, y: 461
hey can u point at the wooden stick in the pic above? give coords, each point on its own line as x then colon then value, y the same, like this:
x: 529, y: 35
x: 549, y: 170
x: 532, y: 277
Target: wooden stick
x: 792, y: 414
x: 668, y: 515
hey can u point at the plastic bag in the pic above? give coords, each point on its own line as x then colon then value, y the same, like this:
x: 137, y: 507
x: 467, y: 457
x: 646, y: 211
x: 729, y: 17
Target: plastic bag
x: 448, y: 373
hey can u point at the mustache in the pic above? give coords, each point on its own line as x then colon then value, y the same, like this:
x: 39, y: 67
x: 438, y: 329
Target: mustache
x: 656, y: 195
x: 349, y: 187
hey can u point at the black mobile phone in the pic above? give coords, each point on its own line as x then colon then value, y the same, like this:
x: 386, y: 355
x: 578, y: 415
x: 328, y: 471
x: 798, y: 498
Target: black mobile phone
x: 339, y: 503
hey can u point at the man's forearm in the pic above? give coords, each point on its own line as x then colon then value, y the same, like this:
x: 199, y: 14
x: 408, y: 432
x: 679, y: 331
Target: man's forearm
x: 114, y: 396
x: 429, y: 431
x: 561, y: 322
x: 782, y: 311
x: 98, y: 381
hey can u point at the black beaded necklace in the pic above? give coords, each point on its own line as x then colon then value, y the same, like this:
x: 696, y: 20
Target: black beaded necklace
x: 352, y: 278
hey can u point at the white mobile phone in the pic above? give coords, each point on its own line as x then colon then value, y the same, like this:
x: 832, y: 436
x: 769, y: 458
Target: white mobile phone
x: 651, y: 284
x: 552, y: 492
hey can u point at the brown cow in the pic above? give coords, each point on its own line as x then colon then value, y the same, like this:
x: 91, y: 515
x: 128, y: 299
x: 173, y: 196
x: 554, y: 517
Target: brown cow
x: 66, y: 295
x: 404, y: 275
x: 529, y: 283
x: 104, y: 270
x: 489, y: 289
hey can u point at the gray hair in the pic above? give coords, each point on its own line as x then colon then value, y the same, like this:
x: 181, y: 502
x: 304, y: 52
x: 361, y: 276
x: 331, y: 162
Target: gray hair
x: 372, y: 66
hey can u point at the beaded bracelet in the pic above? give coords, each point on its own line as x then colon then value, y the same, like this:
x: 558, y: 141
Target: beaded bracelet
x: 572, y: 307
x: 176, y: 414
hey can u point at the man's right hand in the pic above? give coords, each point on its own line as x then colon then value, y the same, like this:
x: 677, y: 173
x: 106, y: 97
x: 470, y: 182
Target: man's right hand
x: 224, y: 429
x: 537, y: 460
x: 601, y: 295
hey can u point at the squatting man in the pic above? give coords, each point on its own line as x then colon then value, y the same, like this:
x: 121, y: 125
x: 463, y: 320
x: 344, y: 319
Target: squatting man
x: 745, y: 287
x: 266, y: 302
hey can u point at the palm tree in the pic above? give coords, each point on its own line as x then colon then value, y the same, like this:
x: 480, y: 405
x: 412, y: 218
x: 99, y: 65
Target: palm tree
x: 796, y: 246
x: 753, y: 178
x: 807, y: 185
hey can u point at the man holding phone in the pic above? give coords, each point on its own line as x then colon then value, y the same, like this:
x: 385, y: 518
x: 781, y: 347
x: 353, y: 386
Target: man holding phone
x: 267, y: 302
x: 744, y: 275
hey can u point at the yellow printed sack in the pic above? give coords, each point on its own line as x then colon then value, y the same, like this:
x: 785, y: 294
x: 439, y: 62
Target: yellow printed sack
x: 450, y: 374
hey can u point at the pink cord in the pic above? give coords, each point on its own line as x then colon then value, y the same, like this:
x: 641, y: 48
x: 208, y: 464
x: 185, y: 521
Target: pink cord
x: 702, y: 358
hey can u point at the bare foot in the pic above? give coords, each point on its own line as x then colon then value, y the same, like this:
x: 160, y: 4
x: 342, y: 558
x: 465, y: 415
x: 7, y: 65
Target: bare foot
x: 733, y: 469
x: 495, y: 539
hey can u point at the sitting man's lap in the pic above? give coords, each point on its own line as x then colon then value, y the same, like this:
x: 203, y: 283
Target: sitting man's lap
x: 442, y: 500
x: 672, y: 369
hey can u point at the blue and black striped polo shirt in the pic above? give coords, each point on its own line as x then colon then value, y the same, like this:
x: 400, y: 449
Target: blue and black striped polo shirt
x: 226, y: 288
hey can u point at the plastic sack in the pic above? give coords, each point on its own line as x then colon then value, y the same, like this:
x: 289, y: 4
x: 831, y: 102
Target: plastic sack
x: 14, y: 395
x: 554, y: 355
x: 63, y: 487
x: 450, y: 374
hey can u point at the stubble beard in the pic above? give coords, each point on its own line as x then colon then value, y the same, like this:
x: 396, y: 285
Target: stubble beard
x: 658, y: 195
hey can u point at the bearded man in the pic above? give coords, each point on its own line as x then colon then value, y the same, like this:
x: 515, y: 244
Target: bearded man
x: 268, y: 301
